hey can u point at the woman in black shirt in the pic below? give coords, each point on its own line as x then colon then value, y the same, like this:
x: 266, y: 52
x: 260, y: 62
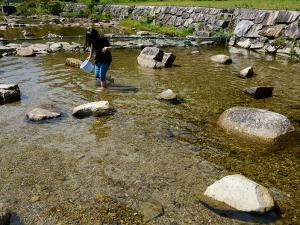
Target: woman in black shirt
x: 101, y: 49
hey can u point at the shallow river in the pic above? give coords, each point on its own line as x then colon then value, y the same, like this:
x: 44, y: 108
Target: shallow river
x: 99, y: 170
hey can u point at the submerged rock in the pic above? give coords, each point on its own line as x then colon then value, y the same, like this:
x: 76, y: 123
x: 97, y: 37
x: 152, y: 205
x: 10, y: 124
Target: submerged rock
x: 9, y: 93
x: 73, y: 62
x: 255, y: 122
x: 5, y: 215
x: 259, y: 92
x: 241, y: 193
x: 247, y: 72
x: 151, y: 209
x: 25, y: 52
x: 101, y: 108
x: 39, y: 114
x: 222, y: 59
x: 152, y: 57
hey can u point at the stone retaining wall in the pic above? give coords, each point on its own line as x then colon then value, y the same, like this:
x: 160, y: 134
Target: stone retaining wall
x: 261, y: 30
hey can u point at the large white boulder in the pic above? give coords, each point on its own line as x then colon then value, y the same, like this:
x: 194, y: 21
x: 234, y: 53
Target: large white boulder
x: 9, y: 93
x: 101, y: 108
x: 241, y: 193
x: 222, y: 59
x: 255, y: 122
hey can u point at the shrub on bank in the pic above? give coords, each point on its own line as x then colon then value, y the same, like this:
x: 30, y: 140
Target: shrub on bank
x: 30, y: 7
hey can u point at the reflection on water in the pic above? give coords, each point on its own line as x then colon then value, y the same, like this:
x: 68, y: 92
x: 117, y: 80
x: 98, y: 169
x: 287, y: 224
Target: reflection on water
x: 161, y: 151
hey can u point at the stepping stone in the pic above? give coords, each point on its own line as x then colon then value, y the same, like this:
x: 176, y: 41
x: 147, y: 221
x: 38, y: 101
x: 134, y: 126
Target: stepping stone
x: 222, y: 59
x: 39, y: 114
x: 247, y: 72
x: 259, y: 92
x: 9, y: 93
x: 97, y: 109
x: 241, y: 193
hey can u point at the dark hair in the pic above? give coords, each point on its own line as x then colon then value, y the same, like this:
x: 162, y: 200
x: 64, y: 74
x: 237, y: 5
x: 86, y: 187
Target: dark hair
x: 92, y: 37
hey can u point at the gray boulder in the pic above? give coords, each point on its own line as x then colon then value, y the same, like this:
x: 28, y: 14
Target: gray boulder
x: 97, y: 109
x: 255, y: 122
x: 5, y: 215
x: 152, y: 57
x: 259, y: 92
x: 39, y: 114
x: 241, y: 193
x: 247, y: 72
x: 242, y: 28
x: 40, y: 48
x: 9, y: 93
x: 73, y: 62
x: 244, y: 43
x: 25, y: 52
x: 222, y: 59
x: 272, y: 31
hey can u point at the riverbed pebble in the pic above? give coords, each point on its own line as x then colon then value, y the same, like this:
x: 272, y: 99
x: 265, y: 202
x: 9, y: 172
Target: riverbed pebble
x: 222, y: 59
x: 241, y: 193
x: 255, y: 122
x: 39, y: 114
x: 259, y: 92
x: 9, y: 93
x: 247, y: 72
x: 97, y: 109
x: 151, y: 209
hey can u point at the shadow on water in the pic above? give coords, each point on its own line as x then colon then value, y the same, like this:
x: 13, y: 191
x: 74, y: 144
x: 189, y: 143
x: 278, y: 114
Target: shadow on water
x: 15, y: 220
x: 270, y: 217
x: 123, y: 88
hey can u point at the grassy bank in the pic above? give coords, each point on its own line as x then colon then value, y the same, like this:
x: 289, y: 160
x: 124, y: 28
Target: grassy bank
x: 257, y: 4
x: 167, y: 30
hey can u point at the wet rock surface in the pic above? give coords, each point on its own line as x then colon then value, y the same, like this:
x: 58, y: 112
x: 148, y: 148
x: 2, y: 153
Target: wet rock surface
x: 9, y: 93
x: 101, y: 108
x: 25, y: 52
x: 254, y: 122
x: 221, y: 59
x: 260, y: 92
x: 241, y: 193
x: 39, y: 114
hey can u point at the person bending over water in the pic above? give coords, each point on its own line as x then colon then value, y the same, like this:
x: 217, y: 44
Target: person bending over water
x: 101, y: 49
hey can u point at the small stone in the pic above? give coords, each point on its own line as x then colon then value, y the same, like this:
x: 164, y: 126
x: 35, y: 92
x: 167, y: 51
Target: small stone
x: 101, y: 108
x: 241, y: 193
x: 168, y: 59
x: 222, y: 59
x: 259, y: 92
x: 167, y: 95
x: 151, y: 209
x: 143, y: 33
x: 35, y: 198
x: 100, y: 198
x: 247, y: 72
x: 194, y: 52
x: 39, y: 114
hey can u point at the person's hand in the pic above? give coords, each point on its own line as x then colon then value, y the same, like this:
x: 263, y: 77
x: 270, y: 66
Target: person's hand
x: 89, y: 58
x: 104, y: 49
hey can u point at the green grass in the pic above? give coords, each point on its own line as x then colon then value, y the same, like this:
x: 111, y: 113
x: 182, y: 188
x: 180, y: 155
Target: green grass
x: 167, y: 30
x: 257, y: 4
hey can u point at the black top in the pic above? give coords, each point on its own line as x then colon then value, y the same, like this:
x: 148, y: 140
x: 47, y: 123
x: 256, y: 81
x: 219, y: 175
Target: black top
x: 102, y: 57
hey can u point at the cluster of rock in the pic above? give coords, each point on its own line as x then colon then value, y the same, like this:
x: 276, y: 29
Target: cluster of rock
x: 267, y: 31
x: 264, y: 30
x: 28, y: 49
x: 153, y: 57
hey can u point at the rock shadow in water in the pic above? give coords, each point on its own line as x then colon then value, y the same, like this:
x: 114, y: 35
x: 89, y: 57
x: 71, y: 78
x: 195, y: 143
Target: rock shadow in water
x: 270, y: 217
x: 123, y: 88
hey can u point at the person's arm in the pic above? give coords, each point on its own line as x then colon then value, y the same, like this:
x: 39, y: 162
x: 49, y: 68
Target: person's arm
x: 91, y: 52
x: 108, y: 46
